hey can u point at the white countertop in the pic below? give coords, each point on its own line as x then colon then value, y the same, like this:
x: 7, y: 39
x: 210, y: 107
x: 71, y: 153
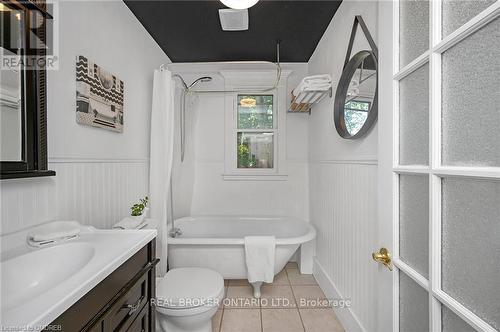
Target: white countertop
x: 111, y: 248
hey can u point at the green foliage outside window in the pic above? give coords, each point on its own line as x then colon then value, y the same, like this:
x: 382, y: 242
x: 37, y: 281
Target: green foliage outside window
x: 355, y: 114
x: 259, y: 116
x: 254, y: 112
x: 245, y: 159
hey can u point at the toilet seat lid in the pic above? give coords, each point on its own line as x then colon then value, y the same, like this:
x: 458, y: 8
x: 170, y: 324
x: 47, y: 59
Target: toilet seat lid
x: 189, y: 287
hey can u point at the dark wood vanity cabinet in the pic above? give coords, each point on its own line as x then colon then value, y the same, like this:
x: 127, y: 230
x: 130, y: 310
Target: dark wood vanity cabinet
x: 121, y: 302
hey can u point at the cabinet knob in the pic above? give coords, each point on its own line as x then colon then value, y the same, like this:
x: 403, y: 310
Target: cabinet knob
x: 133, y: 307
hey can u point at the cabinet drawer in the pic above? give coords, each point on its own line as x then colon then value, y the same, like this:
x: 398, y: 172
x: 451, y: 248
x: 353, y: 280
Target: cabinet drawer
x: 125, y: 310
x: 141, y: 323
x: 91, y: 306
x: 97, y: 327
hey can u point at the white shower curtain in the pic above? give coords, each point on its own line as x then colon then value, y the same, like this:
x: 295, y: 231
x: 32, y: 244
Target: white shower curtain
x: 184, y: 172
x: 161, y: 156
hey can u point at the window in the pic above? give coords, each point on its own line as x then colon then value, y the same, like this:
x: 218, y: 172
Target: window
x: 355, y: 112
x: 255, y: 126
x: 255, y: 131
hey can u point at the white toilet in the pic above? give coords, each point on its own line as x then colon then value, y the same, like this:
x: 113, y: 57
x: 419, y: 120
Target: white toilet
x: 188, y: 298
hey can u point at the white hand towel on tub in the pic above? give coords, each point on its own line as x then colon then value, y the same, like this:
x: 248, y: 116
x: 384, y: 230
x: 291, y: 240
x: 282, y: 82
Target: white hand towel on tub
x: 260, y: 257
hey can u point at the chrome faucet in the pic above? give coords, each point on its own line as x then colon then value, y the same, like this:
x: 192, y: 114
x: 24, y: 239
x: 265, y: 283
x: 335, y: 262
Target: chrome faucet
x: 174, y: 232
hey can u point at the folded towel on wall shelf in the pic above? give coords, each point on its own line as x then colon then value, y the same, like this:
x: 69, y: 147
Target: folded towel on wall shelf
x: 260, y: 257
x: 314, y: 83
x: 322, y: 78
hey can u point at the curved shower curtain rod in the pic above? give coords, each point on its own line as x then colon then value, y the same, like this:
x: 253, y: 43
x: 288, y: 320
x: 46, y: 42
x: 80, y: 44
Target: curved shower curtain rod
x: 278, y: 74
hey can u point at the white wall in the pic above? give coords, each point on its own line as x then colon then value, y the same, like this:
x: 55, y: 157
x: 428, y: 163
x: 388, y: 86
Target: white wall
x: 99, y: 172
x: 343, y: 182
x: 211, y: 194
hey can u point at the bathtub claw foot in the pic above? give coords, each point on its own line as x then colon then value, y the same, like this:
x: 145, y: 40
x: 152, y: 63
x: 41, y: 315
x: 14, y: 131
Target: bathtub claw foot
x: 256, y: 289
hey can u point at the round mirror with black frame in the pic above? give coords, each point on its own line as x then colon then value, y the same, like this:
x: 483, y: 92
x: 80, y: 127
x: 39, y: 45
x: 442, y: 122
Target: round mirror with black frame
x: 355, y: 107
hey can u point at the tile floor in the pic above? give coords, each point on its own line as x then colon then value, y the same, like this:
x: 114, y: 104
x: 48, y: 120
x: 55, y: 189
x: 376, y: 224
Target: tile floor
x: 292, y: 303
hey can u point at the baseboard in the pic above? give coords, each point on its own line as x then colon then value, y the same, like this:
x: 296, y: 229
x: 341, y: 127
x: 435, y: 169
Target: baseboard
x: 346, y: 316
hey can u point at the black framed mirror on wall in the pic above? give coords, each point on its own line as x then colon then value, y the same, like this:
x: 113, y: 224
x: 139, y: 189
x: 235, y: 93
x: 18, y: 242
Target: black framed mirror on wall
x: 23, y: 106
x: 356, y: 105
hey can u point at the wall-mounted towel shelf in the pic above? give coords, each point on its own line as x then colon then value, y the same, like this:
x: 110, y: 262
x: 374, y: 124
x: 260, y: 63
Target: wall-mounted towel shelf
x: 303, y: 102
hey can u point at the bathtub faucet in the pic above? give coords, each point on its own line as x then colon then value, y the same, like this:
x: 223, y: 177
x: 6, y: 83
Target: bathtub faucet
x: 174, y: 232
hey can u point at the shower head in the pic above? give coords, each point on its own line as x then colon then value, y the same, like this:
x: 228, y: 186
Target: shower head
x: 203, y: 79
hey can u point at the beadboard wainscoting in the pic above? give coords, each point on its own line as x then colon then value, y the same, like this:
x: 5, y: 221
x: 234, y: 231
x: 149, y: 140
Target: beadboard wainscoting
x: 99, y: 192
x: 93, y: 192
x: 343, y: 208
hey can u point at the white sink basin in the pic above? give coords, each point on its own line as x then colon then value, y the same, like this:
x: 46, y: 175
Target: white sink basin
x: 38, y: 285
x: 36, y: 272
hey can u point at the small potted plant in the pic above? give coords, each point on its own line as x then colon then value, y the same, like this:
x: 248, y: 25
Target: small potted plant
x: 140, y: 209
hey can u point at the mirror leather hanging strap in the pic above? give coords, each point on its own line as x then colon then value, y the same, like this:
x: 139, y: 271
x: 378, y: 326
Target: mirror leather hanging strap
x: 359, y: 20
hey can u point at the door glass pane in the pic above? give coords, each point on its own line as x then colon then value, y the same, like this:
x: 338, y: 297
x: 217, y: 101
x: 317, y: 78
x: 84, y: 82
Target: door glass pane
x: 471, y: 245
x: 413, y: 306
x: 471, y: 99
x: 255, y: 111
x: 414, y: 118
x: 255, y: 150
x: 414, y: 222
x: 413, y: 30
x: 458, y: 12
x: 452, y: 323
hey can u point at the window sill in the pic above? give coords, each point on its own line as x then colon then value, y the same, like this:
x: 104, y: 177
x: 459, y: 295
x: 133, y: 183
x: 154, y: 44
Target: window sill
x: 254, y: 177
x: 26, y: 174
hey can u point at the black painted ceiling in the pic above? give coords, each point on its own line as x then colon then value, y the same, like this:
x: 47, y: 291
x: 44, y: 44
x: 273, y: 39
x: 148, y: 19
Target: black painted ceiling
x: 190, y: 31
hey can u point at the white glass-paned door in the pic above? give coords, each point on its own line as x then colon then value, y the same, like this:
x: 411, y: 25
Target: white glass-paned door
x: 447, y: 165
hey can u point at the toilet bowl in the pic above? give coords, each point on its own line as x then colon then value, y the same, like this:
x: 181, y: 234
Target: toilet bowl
x: 187, y: 299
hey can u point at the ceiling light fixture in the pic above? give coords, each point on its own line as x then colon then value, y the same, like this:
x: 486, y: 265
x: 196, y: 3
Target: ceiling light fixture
x: 239, y: 4
x: 248, y: 102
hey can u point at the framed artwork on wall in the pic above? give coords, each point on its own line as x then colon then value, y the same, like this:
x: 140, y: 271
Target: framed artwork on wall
x: 99, y: 96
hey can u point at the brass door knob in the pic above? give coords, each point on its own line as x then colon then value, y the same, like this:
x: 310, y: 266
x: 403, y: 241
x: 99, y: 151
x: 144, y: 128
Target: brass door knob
x: 383, y: 256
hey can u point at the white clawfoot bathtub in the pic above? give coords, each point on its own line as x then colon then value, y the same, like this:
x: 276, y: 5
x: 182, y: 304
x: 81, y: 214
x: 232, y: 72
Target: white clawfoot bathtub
x: 218, y: 242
